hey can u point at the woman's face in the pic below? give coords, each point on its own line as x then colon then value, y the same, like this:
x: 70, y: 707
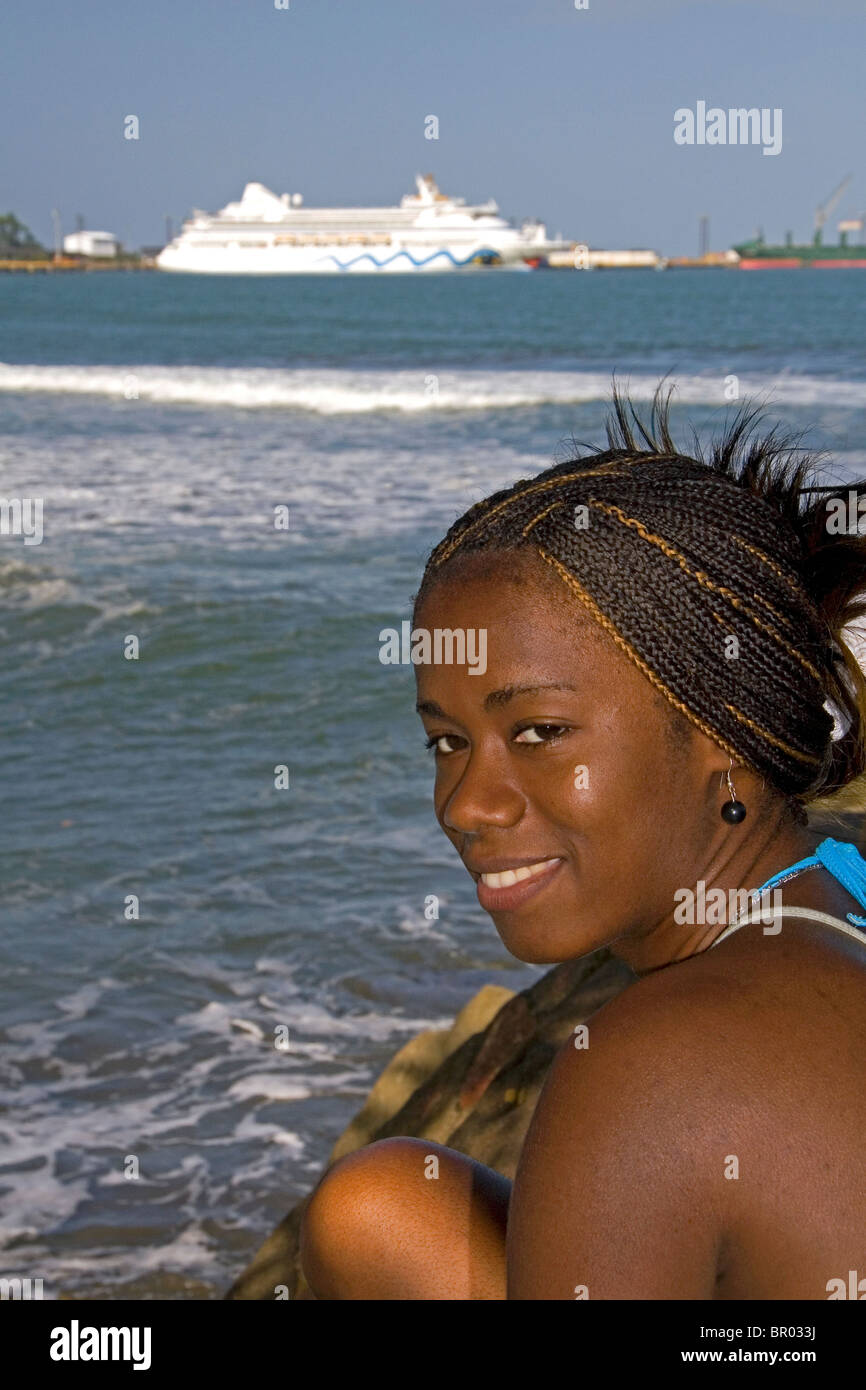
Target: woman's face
x: 575, y: 803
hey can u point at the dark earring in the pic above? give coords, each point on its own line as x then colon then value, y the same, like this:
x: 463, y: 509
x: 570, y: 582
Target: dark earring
x: 733, y: 811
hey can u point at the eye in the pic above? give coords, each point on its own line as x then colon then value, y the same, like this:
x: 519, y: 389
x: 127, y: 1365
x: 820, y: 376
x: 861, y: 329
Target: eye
x: 436, y: 743
x: 541, y: 733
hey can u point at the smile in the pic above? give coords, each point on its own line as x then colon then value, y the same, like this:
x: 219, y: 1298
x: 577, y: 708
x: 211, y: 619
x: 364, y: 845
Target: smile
x: 511, y: 876
x: 509, y: 889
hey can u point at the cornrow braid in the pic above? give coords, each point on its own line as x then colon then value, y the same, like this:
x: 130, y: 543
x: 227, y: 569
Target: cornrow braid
x: 720, y: 577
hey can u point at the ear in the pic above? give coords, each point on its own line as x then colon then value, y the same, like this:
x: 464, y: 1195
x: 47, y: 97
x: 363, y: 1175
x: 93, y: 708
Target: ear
x: 716, y: 764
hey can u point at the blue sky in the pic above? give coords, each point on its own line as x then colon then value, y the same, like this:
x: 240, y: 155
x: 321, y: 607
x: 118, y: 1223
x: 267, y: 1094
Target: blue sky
x: 562, y: 114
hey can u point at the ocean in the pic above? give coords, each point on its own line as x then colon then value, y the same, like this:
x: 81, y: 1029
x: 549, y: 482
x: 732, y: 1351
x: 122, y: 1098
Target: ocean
x: 151, y: 1133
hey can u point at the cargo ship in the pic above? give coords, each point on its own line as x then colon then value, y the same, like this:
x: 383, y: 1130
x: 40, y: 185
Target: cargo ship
x: 267, y: 234
x: 844, y: 255
x: 758, y: 255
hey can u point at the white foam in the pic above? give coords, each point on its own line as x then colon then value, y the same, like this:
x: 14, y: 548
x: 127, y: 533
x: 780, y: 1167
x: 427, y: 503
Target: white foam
x: 79, y: 1004
x: 269, y: 1087
x: 245, y: 1025
x: 309, y: 1018
x: 341, y: 391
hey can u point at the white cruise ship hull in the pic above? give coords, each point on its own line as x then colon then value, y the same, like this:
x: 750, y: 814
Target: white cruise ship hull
x: 278, y: 260
x: 266, y: 235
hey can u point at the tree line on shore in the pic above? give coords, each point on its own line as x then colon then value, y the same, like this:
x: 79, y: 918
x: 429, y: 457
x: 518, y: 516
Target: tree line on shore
x: 17, y: 242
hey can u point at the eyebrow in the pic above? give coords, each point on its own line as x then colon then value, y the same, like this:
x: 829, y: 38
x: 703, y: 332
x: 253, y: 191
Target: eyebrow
x: 495, y: 700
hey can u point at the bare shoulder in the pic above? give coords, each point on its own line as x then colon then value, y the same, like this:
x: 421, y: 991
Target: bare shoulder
x: 750, y: 1013
x: 670, y: 1040
x: 623, y: 1186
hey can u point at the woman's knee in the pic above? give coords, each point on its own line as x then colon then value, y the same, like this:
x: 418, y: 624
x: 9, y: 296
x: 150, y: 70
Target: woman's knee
x: 353, y: 1215
x: 405, y: 1217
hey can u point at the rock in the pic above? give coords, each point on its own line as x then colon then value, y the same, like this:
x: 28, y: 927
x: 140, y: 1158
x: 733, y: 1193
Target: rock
x: 414, y: 1063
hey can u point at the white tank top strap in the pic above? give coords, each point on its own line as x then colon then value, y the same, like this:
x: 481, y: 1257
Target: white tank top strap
x: 761, y: 914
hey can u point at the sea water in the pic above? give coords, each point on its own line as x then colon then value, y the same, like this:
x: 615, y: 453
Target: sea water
x: 152, y: 1127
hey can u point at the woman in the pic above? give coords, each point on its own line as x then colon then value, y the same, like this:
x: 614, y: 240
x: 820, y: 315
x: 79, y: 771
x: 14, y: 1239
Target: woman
x: 666, y: 688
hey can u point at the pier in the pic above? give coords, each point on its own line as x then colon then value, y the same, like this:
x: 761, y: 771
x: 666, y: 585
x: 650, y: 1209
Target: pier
x: 45, y: 267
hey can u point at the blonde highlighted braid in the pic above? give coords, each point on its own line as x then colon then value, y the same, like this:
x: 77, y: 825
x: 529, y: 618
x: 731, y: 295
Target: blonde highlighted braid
x: 682, y: 553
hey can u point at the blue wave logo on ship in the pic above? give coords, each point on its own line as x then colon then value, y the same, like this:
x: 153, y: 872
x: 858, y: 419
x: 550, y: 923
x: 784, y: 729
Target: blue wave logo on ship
x: 486, y: 256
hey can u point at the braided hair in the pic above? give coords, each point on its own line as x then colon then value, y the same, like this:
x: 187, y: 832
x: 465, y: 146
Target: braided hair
x: 720, y: 577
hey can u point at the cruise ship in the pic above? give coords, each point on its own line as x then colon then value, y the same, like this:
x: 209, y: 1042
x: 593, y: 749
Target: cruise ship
x: 269, y: 234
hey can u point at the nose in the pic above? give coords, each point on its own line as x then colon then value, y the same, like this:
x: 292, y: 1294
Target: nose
x: 483, y: 797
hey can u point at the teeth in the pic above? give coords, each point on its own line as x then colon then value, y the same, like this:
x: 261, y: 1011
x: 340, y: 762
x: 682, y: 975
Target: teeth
x: 510, y: 876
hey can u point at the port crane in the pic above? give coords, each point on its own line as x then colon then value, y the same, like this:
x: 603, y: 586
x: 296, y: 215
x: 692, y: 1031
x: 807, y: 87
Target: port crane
x: 822, y: 212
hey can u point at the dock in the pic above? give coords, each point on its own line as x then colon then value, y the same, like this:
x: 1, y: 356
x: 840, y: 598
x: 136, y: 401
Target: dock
x: 49, y: 267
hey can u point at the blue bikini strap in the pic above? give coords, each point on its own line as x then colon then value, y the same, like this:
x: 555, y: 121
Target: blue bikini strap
x: 844, y: 861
